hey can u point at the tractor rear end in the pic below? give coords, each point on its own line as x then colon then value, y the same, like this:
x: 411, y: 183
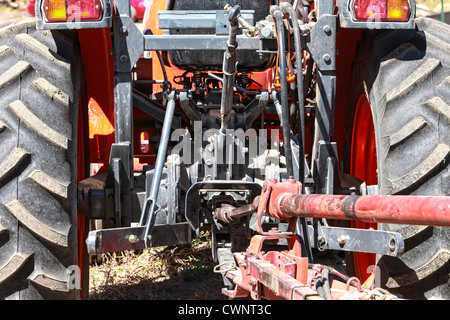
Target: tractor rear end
x: 294, y: 132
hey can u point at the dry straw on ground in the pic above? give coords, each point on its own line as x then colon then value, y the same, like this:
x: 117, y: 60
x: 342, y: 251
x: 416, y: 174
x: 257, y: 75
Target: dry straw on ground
x: 172, y: 273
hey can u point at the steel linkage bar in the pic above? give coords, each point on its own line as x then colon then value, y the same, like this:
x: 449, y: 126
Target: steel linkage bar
x: 148, y: 211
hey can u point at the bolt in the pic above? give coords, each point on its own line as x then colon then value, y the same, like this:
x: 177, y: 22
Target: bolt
x: 322, y: 243
x: 327, y: 29
x: 123, y: 58
x: 123, y: 29
x: 342, y: 239
x: 132, y: 238
x: 266, y: 32
x: 326, y: 57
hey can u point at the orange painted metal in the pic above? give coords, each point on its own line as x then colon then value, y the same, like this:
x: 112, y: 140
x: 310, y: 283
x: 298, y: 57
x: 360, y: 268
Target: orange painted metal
x: 98, y: 66
x: 363, y: 165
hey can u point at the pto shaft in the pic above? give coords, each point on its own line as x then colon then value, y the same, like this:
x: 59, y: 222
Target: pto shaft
x: 417, y: 210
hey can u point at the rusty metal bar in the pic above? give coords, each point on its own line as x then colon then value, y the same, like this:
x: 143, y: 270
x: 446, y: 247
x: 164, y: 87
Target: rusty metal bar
x: 417, y: 210
x: 229, y: 214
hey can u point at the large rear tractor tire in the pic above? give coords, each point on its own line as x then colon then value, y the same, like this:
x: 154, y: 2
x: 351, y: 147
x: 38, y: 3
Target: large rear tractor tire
x: 39, y: 103
x: 405, y: 76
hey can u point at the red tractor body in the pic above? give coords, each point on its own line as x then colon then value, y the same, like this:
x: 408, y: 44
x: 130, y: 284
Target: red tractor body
x: 284, y: 119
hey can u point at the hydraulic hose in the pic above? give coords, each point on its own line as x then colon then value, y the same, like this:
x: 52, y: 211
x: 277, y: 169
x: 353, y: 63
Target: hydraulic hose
x: 229, y: 68
x: 326, y: 283
x: 275, y: 12
x: 161, y: 62
x: 286, y: 7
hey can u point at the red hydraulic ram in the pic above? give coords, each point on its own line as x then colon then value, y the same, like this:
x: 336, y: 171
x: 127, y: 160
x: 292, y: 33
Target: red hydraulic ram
x: 418, y: 210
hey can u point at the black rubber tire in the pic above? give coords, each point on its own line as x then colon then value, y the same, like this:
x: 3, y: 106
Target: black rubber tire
x: 406, y: 78
x: 38, y: 115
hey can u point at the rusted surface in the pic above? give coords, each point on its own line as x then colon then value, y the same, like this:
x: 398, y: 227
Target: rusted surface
x: 229, y: 214
x: 418, y: 210
x: 288, y: 275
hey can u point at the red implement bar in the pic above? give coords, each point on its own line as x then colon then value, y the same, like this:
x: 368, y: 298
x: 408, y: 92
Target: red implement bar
x: 287, y: 274
x: 419, y: 210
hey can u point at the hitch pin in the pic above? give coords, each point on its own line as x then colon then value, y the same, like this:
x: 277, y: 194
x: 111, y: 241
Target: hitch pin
x: 251, y: 29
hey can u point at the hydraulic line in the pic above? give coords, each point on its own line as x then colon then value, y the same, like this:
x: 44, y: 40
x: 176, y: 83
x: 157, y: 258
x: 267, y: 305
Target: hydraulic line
x: 278, y: 16
x: 286, y: 7
x: 229, y: 69
x: 326, y: 283
x: 161, y: 62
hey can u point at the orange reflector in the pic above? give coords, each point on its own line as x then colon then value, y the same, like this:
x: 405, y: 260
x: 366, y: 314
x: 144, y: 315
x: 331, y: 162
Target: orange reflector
x: 72, y: 10
x: 55, y: 10
x: 398, y: 10
x: 98, y: 122
x: 380, y: 10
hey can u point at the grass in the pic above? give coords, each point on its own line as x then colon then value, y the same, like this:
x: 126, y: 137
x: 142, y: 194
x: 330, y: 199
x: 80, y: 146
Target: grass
x: 171, y: 273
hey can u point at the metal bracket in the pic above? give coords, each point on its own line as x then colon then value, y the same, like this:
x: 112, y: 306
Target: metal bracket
x: 120, y: 171
x: 324, y: 167
x: 128, y: 43
x: 120, y: 239
x: 193, y: 196
x: 271, y: 190
x: 359, y: 240
x: 153, y: 109
x: 255, y: 107
x: 321, y: 42
x: 175, y: 20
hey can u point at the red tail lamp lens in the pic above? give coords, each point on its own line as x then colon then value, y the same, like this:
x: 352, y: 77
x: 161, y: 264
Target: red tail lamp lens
x: 72, y: 10
x: 381, y: 10
x: 370, y: 9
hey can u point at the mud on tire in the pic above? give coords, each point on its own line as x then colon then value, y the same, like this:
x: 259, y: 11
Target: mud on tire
x: 38, y: 107
x: 406, y: 78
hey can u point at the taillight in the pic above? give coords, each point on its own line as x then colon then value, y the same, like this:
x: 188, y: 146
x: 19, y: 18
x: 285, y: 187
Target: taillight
x: 398, y: 10
x: 72, y: 10
x: 381, y: 10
